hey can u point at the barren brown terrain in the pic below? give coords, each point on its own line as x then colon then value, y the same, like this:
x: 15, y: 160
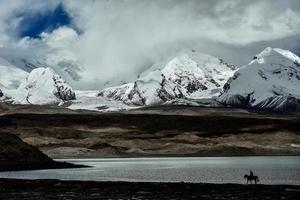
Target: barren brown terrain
x: 153, y: 131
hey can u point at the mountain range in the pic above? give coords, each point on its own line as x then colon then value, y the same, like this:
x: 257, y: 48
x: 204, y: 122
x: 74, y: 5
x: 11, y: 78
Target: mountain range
x: 270, y: 81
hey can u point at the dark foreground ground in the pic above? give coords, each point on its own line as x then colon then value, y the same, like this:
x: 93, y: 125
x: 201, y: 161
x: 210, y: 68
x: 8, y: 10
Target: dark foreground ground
x: 54, y: 189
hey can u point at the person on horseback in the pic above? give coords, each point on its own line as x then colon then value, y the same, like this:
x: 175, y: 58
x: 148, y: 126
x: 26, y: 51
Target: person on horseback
x: 251, y: 177
x: 251, y: 173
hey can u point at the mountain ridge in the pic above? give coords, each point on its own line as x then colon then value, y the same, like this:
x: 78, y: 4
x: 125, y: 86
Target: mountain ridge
x: 269, y: 82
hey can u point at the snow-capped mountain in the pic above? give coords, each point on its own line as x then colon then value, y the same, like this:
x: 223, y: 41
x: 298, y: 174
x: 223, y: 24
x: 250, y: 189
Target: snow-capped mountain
x: 43, y: 86
x: 188, y: 75
x: 270, y: 81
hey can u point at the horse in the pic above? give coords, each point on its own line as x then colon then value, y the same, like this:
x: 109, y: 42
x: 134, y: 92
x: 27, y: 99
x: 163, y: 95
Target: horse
x: 251, y: 178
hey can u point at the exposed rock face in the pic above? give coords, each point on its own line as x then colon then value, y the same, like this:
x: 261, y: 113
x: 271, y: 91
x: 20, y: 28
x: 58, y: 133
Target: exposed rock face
x: 44, y: 86
x: 271, y: 81
x: 280, y: 103
x: 188, y: 75
x: 1, y: 93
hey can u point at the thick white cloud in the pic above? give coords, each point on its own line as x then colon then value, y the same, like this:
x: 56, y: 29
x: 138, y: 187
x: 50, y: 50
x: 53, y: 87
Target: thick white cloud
x: 60, y: 38
x: 123, y: 37
x: 57, y: 45
x: 120, y: 38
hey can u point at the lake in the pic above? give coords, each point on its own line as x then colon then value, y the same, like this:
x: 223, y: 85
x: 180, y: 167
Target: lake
x: 270, y: 169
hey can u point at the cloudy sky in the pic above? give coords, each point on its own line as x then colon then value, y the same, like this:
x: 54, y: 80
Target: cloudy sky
x: 117, y: 39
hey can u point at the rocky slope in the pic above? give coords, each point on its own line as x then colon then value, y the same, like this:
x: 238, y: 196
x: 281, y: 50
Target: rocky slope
x: 17, y: 155
x: 270, y: 81
x: 43, y: 86
x: 188, y: 75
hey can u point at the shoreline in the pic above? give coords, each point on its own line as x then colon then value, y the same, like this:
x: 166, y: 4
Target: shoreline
x: 173, y: 156
x: 40, y: 166
x: 58, y: 189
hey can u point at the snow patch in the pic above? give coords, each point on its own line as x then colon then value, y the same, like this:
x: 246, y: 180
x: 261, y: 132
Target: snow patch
x: 89, y: 100
x: 295, y: 145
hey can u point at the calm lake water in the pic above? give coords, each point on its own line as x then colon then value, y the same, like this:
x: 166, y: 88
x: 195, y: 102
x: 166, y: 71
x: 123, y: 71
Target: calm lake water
x: 270, y: 169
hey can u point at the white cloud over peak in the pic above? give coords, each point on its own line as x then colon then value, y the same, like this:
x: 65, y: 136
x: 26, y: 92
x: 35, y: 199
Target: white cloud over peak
x: 123, y: 37
x: 60, y: 37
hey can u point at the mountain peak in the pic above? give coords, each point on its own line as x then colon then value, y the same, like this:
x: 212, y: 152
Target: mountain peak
x: 270, y: 81
x: 187, y: 75
x: 44, y: 86
x: 271, y: 54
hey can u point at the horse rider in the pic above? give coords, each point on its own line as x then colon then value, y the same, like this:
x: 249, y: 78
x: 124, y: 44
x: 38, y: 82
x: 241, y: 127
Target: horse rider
x: 251, y: 177
x: 251, y: 173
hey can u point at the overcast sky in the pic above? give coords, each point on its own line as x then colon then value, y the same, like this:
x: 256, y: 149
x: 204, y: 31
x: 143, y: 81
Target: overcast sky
x: 120, y: 38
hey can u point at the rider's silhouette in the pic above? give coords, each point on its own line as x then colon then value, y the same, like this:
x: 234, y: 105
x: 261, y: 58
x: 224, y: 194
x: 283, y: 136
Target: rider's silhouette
x: 251, y: 173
